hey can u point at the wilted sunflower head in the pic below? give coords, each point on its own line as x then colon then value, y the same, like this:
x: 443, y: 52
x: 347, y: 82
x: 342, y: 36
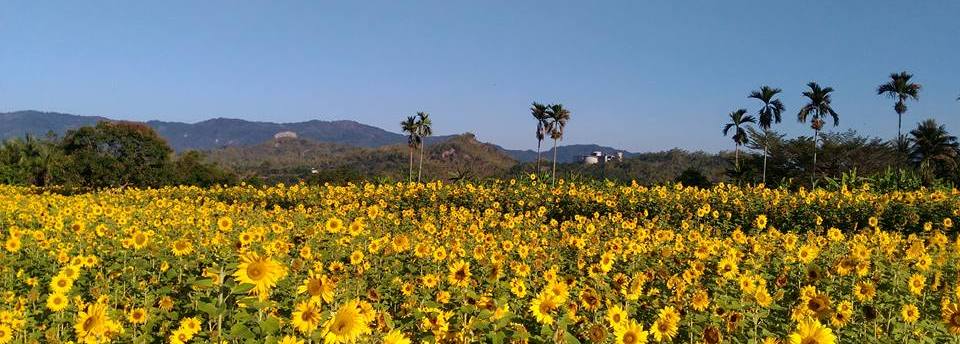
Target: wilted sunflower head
x: 869, y: 313
x: 712, y: 335
x: 820, y: 305
x: 597, y: 333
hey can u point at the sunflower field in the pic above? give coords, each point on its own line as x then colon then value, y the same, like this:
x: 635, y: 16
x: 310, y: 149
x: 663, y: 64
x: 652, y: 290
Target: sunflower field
x: 510, y: 261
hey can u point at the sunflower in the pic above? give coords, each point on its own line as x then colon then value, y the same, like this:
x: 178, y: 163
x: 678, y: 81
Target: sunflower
x: 916, y: 284
x: 395, y: 337
x: 140, y: 239
x: 439, y: 254
x: 290, y: 340
x: 179, y: 336
x: 616, y: 317
x: 262, y: 272
x: 246, y: 238
x: 13, y: 244
x: 61, y: 284
x: 589, y: 299
x: 356, y: 227
x: 727, y: 267
x: 429, y: 280
x: 181, y: 247
x: 346, y: 325
x: 190, y: 325
x: 910, y: 313
x: 761, y: 222
x: 165, y: 303
x: 541, y: 306
x: 841, y: 317
x: 407, y: 288
x: 333, y: 225
x: 518, y: 288
x: 606, y: 262
x: 6, y: 334
x: 762, y: 296
x: 807, y: 253
x: 558, y: 290
x: 71, y: 271
x: 812, y: 332
x: 819, y: 305
x: 631, y: 333
x: 951, y: 317
x: 597, y: 333
x: 459, y: 274
x: 701, y: 300
x: 57, y: 302
x: 306, y: 317
x: 356, y: 258
x: 94, y: 324
x: 318, y: 286
x: 225, y: 223
x: 137, y: 316
x: 864, y: 291
x: 666, y: 325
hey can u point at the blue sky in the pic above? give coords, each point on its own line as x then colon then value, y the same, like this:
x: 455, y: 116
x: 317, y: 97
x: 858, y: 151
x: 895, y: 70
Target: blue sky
x: 641, y: 75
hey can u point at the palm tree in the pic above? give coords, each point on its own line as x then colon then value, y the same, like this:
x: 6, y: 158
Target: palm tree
x: 557, y: 122
x: 424, y: 129
x: 818, y: 108
x: 768, y: 114
x: 738, y: 120
x: 900, y: 88
x: 409, y: 127
x: 933, y: 148
x: 539, y: 112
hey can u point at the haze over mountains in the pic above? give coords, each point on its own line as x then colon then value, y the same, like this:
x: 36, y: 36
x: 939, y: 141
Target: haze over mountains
x: 220, y: 133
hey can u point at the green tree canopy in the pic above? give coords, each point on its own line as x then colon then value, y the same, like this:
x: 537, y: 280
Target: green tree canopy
x: 117, y: 154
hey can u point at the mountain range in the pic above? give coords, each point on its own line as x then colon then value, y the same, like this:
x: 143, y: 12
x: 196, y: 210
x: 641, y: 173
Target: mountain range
x: 220, y: 133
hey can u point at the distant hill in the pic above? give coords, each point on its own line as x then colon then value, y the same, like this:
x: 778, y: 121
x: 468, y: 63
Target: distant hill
x: 648, y: 168
x: 212, y: 133
x: 289, y: 159
x: 220, y: 132
x: 36, y: 123
x: 226, y: 132
x: 565, y: 154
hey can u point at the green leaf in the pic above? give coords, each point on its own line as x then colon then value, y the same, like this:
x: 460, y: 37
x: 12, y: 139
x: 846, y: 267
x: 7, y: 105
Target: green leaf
x: 240, y: 330
x: 270, y: 325
x: 497, y: 337
x: 203, y: 283
x: 570, y: 338
x: 208, y: 308
x: 242, y: 288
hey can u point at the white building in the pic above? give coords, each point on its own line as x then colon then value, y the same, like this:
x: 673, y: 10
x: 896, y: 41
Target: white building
x: 285, y: 135
x: 598, y: 157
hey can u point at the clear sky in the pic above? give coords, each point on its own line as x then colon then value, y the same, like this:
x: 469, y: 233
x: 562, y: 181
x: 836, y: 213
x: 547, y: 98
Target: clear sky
x: 640, y: 75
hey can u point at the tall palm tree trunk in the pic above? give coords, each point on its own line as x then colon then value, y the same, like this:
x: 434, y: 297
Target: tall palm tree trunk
x: 538, y: 157
x: 736, y: 155
x: 420, y: 169
x: 554, y: 174
x: 764, y: 180
x: 813, y: 172
x: 899, y: 134
x: 410, y: 173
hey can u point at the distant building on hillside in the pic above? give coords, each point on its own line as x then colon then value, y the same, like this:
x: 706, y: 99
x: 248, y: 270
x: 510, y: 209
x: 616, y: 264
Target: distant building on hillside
x: 599, y: 158
x: 285, y: 135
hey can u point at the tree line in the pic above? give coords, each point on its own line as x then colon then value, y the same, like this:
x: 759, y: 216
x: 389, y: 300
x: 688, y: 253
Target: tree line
x: 929, y: 149
x: 109, y: 154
